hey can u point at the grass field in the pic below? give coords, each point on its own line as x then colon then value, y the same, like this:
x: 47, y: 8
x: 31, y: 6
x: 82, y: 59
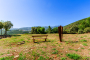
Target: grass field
x: 73, y: 47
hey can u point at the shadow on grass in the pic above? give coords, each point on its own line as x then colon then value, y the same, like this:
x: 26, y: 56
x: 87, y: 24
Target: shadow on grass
x: 71, y: 41
x: 42, y: 41
x: 5, y: 36
x: 15, y: 35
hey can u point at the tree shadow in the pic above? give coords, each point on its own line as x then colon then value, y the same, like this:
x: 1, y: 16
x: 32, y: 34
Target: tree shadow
x: 5, y: 36
x: 42, y: 41
x: 71, y: 41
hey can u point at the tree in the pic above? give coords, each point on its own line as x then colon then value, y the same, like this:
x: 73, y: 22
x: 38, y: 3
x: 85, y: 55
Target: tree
x: 34, y: 30
x: 1, y: 26
x: 49, y: 30
x: 41, y: 30
x: 55, y: 30
x: 7, y: 25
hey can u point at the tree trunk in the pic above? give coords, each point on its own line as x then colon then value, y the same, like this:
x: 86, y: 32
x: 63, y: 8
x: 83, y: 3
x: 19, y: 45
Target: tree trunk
x: 1, y: 31
x: 5, y: 31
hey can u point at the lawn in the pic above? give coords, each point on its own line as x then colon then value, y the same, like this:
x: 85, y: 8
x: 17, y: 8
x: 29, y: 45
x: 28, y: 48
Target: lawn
x: 73, y: 47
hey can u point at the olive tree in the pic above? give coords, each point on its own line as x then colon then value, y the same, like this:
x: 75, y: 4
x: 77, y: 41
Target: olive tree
x: 7, y: 25
x: 1, y: 26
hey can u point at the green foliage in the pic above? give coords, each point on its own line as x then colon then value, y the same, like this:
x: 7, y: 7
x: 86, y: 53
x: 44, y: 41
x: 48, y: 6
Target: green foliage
x: 41, y: 58
x: 87, y: 29
x: 41, y: 30
x: 88, y: 21
x: 63, y: 58
x: 49, y: 30
x: 55, y: 30
x: 74, y: 29
x: 38, y: 30
x: 80, y: 31
x: 55, y: 52
x: 1, y: 25
x: 64, y: 32
x: 73, y: 56
x: 7, y: 25
x: 82, y: 24
x: 54, y: 49
x: 34, y: 30
x: 83, y: 40
x: 21, y: 57
x: 7, y: 58
x: 85, y: 44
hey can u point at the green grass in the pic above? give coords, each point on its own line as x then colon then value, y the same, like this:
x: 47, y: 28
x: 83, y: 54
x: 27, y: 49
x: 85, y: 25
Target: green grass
x: 73, y: 56
x: 76, y: 50
x: 7, y: 58
x: 81, y: 37
x: 71, y: 49
x: 63, y: 58
x: 55, y: 52
x: 83, y: 40
x: 54, y: 49
x: 41, y: 58
x: 82, y: 48
x: 84, y: 44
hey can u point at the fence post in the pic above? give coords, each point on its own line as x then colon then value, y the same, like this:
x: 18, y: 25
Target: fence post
x: 60, y: 31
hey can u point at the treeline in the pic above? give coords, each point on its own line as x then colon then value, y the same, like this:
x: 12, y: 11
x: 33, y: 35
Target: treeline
x: 41, y: 30
x: 34, y: 30
x: 83, y: 26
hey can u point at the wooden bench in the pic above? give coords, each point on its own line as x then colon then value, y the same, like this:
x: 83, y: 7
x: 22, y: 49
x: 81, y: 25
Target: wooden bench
x: 39, y: 36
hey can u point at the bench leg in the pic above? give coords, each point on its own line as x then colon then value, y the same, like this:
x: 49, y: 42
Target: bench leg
x: 45, y: 39
x: 33, y: 40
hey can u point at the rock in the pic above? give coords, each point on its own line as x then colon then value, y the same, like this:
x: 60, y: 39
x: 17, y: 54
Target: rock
x: 9, y: 54
x: 16, y: 56
x: 19, y: 43
x: 22, y: 42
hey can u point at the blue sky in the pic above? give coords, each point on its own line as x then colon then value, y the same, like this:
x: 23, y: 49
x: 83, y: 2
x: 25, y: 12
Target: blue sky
x: 28, y: 13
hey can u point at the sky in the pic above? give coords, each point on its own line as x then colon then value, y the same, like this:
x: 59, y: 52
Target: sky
x: 29, y: 13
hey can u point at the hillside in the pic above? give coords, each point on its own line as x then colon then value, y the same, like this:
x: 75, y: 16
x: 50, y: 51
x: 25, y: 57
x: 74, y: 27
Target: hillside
x: 74, y: 23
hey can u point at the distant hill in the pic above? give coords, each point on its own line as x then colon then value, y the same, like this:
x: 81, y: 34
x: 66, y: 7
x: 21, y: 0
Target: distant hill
x: 29, y: 28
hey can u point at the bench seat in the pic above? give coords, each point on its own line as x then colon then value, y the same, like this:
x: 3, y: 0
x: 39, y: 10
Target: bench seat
x: 39, y: 38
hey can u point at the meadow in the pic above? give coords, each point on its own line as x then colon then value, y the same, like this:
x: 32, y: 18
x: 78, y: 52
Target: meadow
x: 73, y: 47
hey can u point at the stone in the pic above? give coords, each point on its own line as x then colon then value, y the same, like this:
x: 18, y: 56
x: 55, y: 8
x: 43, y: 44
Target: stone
x: 16, y: 56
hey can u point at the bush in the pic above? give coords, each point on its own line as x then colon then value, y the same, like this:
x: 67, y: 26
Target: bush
x: 80, y: 31
x: 73, y: 56
x: 64, y: 32
x: 74, y: 29
x: 87, y: 29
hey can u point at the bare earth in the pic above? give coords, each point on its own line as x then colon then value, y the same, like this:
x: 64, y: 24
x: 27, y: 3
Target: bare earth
x: 71, y: 44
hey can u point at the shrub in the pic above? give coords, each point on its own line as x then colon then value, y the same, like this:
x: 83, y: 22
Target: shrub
x: 55, y: 52
x: 73, y: 56
x: 63, y: 58
x: 80, y: 31
x: 87, y: 29
x: 74, y: 29
x: 83, y: 40
x: 41, y: 58
x: 64, y: 32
